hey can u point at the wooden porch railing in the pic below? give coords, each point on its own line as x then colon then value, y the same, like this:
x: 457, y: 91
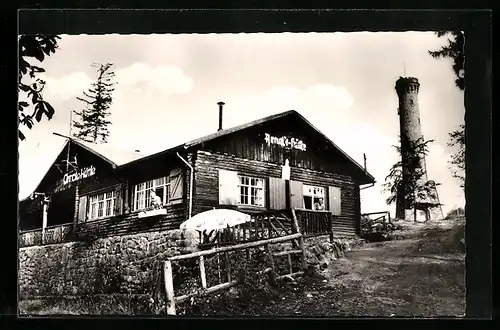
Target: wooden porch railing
x: 30, y: 237
x: 263, y: 226
x: 270, y: 225
x: 53, y: 234
x: 314, y: 223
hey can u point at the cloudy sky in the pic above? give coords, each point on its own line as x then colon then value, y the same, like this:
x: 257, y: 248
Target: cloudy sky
x: 169, y: 86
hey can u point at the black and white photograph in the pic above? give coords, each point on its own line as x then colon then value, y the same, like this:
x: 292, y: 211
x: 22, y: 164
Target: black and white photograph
x: 316, y: 174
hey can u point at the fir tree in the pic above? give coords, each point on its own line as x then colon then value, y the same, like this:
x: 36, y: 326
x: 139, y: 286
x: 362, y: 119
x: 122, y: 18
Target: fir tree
x: 412, y: 184
x: 93, y: 124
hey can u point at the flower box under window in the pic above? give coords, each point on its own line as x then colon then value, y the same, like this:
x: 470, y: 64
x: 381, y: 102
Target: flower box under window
x: 152, y: 212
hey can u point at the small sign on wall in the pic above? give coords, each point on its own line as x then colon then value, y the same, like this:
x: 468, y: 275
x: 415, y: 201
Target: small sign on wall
x: 75, y: 176
x: 84, y: 173
x: 285, y: 142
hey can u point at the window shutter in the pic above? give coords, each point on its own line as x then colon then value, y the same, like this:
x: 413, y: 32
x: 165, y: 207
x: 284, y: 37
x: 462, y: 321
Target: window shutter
x: 132, y: 198
x: 82, y: 209
x: 334, y: 200
x: 228, y: 187
x: 277, y: 194
x: 176, y: 186
x: 126, y: 199
x: 296, y: 195
x: 119, y: 199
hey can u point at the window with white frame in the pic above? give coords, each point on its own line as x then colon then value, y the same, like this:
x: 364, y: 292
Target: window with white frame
x: 314, y: 198
x: 251, y: 191
x: 143, y: 198
x: 102, y: 205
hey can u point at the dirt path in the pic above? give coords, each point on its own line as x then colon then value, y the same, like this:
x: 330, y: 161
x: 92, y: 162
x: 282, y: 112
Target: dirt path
x: 395, y: 278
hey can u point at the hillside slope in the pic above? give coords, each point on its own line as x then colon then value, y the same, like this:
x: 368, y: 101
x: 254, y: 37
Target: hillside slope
x: 420, y: 275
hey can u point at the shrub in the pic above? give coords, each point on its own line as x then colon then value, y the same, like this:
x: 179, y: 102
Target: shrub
x: 378, y: 231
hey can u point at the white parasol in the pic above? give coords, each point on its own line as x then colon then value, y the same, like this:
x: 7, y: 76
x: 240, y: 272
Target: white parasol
x: 215, y: 219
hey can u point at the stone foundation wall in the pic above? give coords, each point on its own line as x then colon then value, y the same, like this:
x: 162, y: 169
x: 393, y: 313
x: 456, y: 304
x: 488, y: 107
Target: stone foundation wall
x: 320, y: 252
x: 119, y: 264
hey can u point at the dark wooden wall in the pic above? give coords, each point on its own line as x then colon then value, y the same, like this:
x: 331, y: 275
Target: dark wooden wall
x: 107, y: 178
x: 206, y: 195
x: 128, y: 224
x: 130, y: 176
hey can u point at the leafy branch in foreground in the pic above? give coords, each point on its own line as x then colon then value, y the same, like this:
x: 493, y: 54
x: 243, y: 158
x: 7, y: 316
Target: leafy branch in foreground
x: 33, y: 47
x: 454, y: 49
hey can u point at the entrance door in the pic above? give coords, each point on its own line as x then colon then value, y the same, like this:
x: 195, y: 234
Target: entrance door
x: 62, y: 207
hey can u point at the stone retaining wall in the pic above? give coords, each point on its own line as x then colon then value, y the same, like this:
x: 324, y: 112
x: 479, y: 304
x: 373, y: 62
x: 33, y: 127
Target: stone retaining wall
x: 320, y: 252
x: 130, y: 264
x: 119, y: 264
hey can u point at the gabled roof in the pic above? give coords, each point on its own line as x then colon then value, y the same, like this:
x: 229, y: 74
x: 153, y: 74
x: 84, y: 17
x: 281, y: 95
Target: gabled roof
x: 273, y: 117
x: 118, y: 158
x: 238, y: 128
x: 114, y: 157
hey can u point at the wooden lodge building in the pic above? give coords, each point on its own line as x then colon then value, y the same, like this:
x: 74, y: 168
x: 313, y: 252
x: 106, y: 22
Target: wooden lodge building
x: 274, y: 163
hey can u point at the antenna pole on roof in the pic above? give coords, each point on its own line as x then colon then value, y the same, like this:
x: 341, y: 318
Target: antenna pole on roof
x: 71, y: 123
x: 70, y: 133
x: 61, y: 135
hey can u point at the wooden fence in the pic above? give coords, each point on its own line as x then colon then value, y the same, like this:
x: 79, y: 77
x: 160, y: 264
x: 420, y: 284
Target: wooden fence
x: 52, y: 234
x: 172, y: 300
x: 261, y: 237
x: 57, y: 234
x: 384, y: 218
x: 30, y: 237
x: 262, y: 226
x: 315, y: 223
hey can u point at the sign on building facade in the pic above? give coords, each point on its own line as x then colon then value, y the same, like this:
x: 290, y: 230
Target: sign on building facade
x: 285, y: 142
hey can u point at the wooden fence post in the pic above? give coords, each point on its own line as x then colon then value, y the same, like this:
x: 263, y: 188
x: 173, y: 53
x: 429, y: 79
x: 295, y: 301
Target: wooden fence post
x: 330, y: 227
x: 301, y: 239
x: 289, y: 256
x: 169, y: 287
x: 202, y: 273
x: 228, y: 266
x: 269, y: 227
x: 271, y: 260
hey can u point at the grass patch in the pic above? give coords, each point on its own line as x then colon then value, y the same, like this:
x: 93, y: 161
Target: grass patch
x: 110, y: 304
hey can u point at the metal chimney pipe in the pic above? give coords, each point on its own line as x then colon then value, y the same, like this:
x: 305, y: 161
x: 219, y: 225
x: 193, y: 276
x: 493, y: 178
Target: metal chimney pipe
x: 221, y: 104
x: 364, y: 158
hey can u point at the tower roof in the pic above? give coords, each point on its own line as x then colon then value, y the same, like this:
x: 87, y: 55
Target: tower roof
x: 403, y: 84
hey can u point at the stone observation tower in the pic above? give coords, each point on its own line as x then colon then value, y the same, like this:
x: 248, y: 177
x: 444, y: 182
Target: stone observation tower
x: 407, y: 89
